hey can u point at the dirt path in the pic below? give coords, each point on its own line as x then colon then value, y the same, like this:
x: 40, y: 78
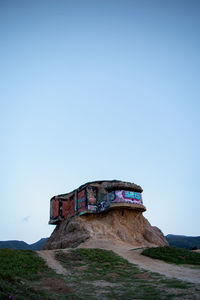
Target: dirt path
x: 49, y: 258
x: 133, y: 255
x: 154, y: 265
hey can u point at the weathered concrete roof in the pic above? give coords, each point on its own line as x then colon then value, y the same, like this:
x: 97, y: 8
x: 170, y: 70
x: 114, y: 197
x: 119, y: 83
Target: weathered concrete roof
x: 108, y: 185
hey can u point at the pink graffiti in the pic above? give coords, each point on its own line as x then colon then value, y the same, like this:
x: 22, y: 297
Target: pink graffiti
x: 120, y: 197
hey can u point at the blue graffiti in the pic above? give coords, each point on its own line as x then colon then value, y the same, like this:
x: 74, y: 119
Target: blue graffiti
x: 132, y: 195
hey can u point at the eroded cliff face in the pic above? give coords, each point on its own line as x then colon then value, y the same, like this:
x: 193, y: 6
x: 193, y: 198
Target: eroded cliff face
x: 119, y: 226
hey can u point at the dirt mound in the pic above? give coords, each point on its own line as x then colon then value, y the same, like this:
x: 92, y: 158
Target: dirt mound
x: 119, y: 225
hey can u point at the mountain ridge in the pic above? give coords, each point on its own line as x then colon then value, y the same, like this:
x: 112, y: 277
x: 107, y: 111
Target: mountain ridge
x: 21, y: 245
x: 183, y: 241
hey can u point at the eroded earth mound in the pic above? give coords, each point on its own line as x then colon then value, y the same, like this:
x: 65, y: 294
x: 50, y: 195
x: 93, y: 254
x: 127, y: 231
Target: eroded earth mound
x: 119, y: 226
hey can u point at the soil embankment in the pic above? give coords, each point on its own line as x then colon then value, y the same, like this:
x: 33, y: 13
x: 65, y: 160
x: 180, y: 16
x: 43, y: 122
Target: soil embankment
x: 123, y: 225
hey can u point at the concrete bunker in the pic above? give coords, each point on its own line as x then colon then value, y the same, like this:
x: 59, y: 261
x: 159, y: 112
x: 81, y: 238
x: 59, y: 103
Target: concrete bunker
x: 101, y: 213
x: 96, y: 197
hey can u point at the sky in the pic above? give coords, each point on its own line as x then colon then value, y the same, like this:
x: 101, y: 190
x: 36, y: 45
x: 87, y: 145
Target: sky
x: 93, y: 90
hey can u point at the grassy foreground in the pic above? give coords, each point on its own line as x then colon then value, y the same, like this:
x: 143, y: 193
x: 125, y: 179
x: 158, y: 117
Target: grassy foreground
x: 19, y: 269
x: 92, y: 274
x: 173, y: 255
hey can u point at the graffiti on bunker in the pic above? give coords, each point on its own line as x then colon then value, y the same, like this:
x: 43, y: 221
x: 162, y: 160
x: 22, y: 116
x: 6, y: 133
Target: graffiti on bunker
x: 87, y: 200
x: 92, y: 208
x: 103, y: 202
x: 81, y: 201
x: 118, y: 196
x: 68, y: 207
x: 90, y: 199
x: 128, y: 197
x: 91, y: 195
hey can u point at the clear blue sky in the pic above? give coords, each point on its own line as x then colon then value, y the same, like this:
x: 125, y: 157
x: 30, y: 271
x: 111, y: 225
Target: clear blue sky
x: 99, y: 90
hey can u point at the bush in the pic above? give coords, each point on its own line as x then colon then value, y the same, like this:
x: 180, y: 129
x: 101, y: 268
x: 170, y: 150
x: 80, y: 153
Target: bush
x: 173, y: 255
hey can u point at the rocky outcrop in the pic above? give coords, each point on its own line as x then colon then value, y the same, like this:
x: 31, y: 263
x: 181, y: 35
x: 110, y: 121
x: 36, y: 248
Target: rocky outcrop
x: 119, y: 225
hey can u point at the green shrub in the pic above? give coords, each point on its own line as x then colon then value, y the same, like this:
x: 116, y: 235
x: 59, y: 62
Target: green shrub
x: 173, y: 255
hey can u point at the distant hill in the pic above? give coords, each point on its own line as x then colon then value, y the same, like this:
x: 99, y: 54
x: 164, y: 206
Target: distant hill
x: 38, y: 244
x: 183, y: 241
x: 21, y: 245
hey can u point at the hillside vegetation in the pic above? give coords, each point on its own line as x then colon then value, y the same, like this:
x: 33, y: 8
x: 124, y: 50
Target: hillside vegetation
x: 18, y: 269
x: 92, y: 274
x: 173, y: 255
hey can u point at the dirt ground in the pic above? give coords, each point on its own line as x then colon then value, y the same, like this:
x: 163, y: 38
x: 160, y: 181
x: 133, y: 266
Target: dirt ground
x: 49, y: 257
x: 133, y: 255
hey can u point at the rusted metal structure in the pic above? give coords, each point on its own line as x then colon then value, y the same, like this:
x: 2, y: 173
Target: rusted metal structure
x: 96, y: 197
